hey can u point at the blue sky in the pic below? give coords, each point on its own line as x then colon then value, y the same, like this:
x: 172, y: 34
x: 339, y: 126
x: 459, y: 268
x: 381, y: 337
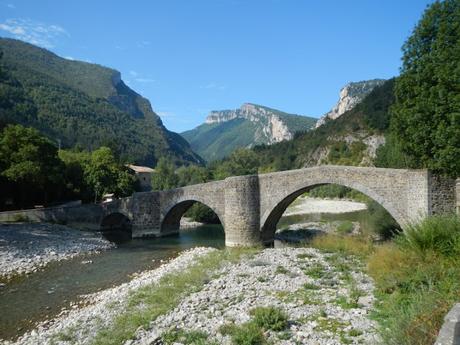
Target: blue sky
x: 189, y: 57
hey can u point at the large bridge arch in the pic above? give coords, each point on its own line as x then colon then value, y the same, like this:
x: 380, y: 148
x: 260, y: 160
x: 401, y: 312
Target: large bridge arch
x: 275, y: 211
x: 395, y: 190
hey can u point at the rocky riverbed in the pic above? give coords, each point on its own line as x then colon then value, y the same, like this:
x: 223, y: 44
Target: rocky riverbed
x: 326, y: 297
x: 27, y: 247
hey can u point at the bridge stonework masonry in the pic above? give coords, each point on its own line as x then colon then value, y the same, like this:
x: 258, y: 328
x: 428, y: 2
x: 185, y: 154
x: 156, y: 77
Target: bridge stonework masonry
x: 249, y: 207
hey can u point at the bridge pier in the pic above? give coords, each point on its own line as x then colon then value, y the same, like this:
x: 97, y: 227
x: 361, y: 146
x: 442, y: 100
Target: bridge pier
x: 242, y: 211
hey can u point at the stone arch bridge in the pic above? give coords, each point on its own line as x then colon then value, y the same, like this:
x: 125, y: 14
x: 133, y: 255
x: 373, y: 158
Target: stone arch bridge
x: 249, y: 207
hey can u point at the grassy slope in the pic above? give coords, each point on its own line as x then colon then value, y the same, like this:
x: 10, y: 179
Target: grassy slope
x: 78, y: 103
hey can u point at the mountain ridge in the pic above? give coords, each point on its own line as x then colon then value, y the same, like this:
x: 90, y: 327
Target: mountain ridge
x: 247, y: 126
x: 88, y: 105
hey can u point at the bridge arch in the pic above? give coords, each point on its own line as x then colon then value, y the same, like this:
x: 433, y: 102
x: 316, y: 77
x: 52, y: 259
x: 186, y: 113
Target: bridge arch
x: 116, y: 227
x: 277, y: 206
x: 174, y: 212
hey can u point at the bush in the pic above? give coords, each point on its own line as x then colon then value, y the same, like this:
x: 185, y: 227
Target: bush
x: 381, y: 222
x: 202, y: 213
x: 269, y: 318
x: 246, y: 334
x: 438, y: 235
x: 417, y: 280
x: 181, y: 336
x: 345, y: 227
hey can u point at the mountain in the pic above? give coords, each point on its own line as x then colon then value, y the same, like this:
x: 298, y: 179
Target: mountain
x: 250, y: 125
x: 82, y: 104
x: 350, y: 95
x: 351, y: 139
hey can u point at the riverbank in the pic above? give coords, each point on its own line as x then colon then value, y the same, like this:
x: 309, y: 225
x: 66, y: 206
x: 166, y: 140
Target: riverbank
x: 327, y: 299
x: 28, y: 247
x: 307, y: 205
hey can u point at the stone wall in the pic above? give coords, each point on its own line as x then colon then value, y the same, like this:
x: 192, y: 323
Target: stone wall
x: 442, y: 194
x: 86, y: 217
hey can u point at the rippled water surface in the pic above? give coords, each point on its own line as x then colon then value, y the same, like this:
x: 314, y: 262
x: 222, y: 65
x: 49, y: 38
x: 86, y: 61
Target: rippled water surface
x: 43, y: 294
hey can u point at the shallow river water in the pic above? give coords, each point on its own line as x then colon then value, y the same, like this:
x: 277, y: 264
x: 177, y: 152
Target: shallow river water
x: 42, y: 295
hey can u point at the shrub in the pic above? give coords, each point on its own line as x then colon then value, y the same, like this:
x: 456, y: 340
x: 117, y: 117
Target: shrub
x: 246, y: 334
x: 439, y: 235
x: 269, y: 318
x: 175, y: 336
x: 343, y: 244
x: 345, y: 227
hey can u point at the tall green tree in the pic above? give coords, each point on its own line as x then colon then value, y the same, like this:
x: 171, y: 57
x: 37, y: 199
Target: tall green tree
x: 105, y: 175
x: 164, y: 176
x: 29, y: 159
x: 426, y: 113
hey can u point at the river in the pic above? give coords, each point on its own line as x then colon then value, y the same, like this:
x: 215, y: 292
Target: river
x: 42, y: 295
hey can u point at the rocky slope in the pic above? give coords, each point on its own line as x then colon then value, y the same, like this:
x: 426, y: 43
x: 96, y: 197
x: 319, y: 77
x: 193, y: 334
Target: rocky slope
x: 250, y: 125
x: 84, y: 104
x: 351, y: 139
x: 350, y: 95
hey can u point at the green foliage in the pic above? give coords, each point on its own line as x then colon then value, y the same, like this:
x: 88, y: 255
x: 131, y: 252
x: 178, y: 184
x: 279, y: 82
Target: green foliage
x: 439, y: 235
x: 246, y: 334
x: 82, y: 104
x: 417, y: 280
x: 181, y: 336
x: 28, y: 157
x: 218, y: 140
x: 104, y: 175
x: 426, y: 116
x: 391, y: 155
x: 202, y: 213
x: 164, y: 177
x: 380, y: 221
x: 269, y: 318
x: 345, y: 227
x: 192, y: 174
x: 342, y: 153
x: 240, y: 162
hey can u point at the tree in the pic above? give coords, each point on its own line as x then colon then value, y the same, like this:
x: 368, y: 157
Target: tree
x: 105, y: 175
x: 240, y: 162
x: 426, y: 113
x: 29, y: 159
x: 164, y: 176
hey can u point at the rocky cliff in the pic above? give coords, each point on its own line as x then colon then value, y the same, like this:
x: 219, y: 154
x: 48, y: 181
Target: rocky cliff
x: 350, y: 95
x: 251, y: 124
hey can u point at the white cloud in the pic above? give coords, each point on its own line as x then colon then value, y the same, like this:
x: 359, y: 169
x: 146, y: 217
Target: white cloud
x: 69, y: 58
x: 11, y: 6
x: 133, y: 73
x: 144, y: 80
x: 34, y: 32
x: 213, y: 85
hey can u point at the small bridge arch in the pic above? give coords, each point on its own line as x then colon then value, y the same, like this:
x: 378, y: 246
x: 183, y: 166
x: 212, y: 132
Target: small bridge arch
x: 116, y: 227
x: 174, y: 213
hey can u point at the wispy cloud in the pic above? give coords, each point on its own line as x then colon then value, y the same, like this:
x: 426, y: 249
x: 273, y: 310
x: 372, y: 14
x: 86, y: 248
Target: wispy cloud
x: 166, y: 114
x: 213, y: 85
x: 37, y: 33
x: 69, y: 58
x: 11, y: 6
x: 144, y: 80
x: 133, y: 73
x: 143, y: 44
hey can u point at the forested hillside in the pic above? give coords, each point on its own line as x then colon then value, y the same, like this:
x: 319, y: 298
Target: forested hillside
x: 227, y: 130
x: 84, y: 105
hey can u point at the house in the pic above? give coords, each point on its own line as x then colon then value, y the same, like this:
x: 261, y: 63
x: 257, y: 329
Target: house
x: 144, y: 176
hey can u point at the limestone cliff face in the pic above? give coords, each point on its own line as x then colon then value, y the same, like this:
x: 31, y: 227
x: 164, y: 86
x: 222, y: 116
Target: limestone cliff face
x: 350, y: 95
x: 270, y: 127
x: 250, y: 125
